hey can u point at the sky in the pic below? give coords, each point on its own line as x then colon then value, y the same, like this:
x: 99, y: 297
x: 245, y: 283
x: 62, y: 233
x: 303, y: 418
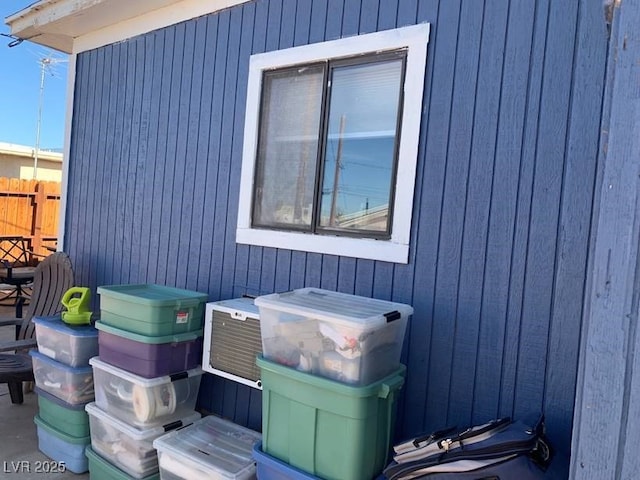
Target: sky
x: 20, y: 75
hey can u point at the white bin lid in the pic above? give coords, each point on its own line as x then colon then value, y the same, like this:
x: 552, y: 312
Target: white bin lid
x: 211, y: 444
x: 142, y: 381
x: 335, y: 307
x: 140, y: 433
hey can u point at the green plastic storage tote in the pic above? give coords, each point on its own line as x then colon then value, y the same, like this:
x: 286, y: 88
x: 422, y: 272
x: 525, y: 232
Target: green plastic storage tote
x: 101, y: 469
x: 69, y: 419
x: 326, y: 428
x: 153, y: 310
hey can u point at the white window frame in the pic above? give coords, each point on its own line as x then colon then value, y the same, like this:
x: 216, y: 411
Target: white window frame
x: 396, y: 249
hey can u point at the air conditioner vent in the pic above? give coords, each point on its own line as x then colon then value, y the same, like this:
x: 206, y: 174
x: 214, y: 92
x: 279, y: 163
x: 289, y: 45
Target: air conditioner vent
x: 232, y: 340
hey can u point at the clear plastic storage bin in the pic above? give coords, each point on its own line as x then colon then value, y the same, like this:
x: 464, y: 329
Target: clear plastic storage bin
x: 71, y: 345
x: 127, y: 447
x: 352, y: 339
x: 211, y: 448
x: 145, y: 402
x: 74, y: 385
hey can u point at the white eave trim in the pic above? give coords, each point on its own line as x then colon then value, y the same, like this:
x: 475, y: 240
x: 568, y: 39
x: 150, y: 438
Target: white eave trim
x: 62, y: 24
x: 163, y: 17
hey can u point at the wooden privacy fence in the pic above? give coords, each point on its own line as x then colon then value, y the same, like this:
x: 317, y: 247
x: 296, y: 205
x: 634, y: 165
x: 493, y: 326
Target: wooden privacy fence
x: 30, y: 208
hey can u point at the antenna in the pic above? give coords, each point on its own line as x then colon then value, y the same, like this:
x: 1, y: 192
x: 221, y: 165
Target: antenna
x: 45, y: 64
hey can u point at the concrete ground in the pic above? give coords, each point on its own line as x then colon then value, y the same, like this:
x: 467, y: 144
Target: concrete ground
x: 20, y: 458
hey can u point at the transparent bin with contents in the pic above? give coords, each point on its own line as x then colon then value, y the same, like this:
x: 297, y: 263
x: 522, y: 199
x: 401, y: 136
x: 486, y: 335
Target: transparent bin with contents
x: 352, y: 339
x: 145, y: 402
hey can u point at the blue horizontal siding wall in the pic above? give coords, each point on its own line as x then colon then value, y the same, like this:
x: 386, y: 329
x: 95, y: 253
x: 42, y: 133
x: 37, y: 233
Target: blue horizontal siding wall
x: 503, y: 202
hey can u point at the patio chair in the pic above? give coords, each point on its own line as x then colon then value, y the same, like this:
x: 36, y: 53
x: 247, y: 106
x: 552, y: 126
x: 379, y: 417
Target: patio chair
x: 17, y: 265
x: 52, y: 278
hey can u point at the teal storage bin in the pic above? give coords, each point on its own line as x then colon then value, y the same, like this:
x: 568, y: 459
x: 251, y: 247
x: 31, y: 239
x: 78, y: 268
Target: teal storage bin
x: 61, y: 447
x: 326, y: 428
x: 153, y: 310
x: 65, y: 417
x: 100, y: 469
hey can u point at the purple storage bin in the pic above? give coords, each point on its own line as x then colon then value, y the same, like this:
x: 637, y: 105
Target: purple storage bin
x: 146, y: 356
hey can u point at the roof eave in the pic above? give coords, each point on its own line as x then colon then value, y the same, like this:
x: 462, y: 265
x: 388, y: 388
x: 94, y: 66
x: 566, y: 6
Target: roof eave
x: 73, y: 26
x: 43, y: 22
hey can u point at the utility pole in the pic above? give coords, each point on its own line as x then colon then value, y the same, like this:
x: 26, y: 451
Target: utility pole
x: 336, y: 174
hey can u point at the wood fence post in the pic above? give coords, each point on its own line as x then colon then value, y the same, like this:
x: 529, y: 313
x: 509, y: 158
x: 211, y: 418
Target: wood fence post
x: 39, y: 200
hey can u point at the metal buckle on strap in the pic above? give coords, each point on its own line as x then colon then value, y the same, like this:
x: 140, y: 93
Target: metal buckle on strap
x: 438, y: 434
x: 445, y: 444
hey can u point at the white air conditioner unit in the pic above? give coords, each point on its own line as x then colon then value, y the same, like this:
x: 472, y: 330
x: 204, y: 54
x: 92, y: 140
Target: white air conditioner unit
x: 232, y: 341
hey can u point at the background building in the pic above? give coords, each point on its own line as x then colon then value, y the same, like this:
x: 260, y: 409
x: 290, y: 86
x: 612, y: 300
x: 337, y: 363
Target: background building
x: 18, y: 161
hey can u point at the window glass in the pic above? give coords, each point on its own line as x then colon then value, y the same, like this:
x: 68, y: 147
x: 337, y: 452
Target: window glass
x: 359, y: 154
x: 288, y: 147
x: 330, y: 145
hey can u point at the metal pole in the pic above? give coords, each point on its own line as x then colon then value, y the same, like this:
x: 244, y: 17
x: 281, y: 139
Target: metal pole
x: 43, y: 63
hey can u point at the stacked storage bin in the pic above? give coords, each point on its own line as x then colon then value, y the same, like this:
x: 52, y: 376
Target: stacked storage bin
x: 211, y: 448
x: 147, y: 376
x: 330, y: 375
x: 64, y: 384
